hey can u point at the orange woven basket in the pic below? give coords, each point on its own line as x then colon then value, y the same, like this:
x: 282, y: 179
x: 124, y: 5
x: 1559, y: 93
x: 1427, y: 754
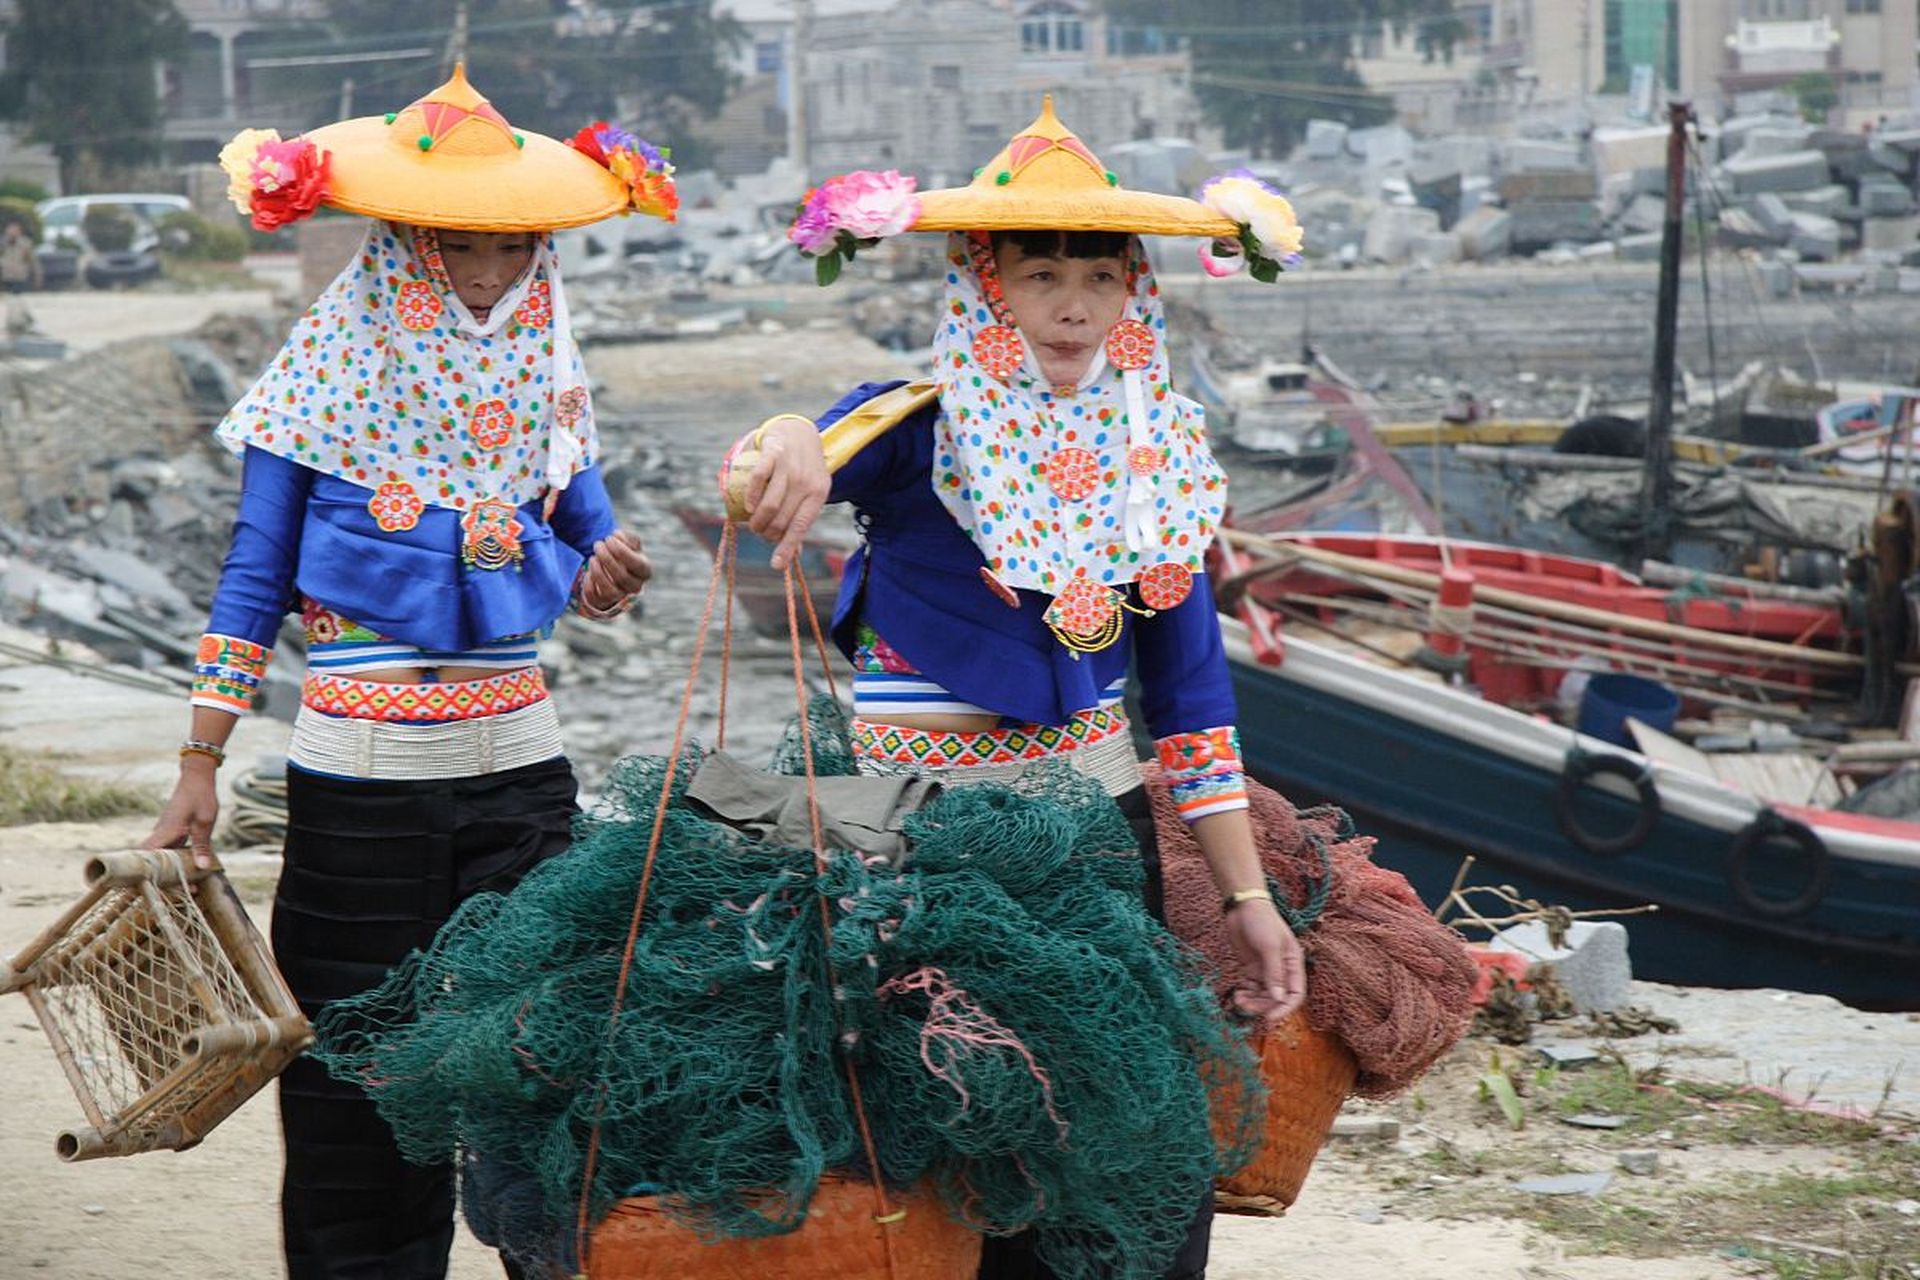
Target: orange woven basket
x: 1308, y: 1075
x: 840, y: 1240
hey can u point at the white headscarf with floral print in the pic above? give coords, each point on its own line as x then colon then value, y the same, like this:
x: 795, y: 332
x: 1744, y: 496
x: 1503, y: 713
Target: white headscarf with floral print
x: 1109, y: 481
x: 389, y: 381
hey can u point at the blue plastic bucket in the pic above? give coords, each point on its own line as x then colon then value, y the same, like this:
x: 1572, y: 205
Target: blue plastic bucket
x: 1611, y: 699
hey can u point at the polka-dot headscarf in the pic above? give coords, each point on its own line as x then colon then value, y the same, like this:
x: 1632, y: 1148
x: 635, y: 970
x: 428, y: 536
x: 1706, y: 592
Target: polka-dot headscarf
x: 1107, y: 481
x: 388, y: 380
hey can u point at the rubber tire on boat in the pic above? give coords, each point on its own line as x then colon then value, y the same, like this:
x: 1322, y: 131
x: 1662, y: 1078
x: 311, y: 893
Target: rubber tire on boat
x: 1580, y: 767
x: 1771, y: 826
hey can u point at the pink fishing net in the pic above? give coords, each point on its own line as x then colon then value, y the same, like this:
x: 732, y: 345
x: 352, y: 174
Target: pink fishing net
x: 1383, y: 975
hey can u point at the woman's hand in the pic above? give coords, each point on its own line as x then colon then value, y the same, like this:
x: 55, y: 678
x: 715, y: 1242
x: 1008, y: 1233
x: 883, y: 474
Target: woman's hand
x: 188, y: 818
x: 1273, y: 980
x: 618, y: 570
x: 788, y: 486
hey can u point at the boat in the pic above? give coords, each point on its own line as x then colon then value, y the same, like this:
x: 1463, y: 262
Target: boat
x: 760, y: 590
x: 1761, y: 875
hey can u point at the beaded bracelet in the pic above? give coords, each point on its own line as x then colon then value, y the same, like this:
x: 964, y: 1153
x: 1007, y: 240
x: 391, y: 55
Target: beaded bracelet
x: 199, y: 747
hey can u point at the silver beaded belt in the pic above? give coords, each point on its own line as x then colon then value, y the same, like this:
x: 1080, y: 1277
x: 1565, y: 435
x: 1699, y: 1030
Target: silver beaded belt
x: 380, y: 749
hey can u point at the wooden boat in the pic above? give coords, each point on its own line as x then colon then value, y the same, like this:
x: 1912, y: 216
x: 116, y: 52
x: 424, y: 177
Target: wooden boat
x: 1760, y: 875
x: 760, y: 591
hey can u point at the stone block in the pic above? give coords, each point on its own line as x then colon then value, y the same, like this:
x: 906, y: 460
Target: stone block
x: 1592, y: 966
x: 1485, y: 233
x: 1549, y: 184
x: 1777, y: 139
x: 1392, y: 229
x: 1884, y: 198
x: 1326, y: 139
x: 1828, y: 201
x: 1639, y: 1163
x: 1815, y: 239
x: 1538, y: 224
x: 1890, y: 235
x: 1625, y: 150
x: 1640, y: 248
x: 1794, y: 171
x: 1435, y: 249
x: 1772, y: 213
x: 1646, y: 213
x: 1524, y: 155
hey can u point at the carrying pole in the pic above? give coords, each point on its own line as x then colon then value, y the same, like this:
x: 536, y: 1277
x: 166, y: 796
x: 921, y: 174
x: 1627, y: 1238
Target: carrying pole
x: 1656, y: 492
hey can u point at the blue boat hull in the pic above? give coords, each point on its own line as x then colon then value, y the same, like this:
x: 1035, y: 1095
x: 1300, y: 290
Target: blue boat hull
x: 1432, y: 798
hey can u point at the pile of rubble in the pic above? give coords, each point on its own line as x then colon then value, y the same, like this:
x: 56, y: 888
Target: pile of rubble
x: 1763, y: 179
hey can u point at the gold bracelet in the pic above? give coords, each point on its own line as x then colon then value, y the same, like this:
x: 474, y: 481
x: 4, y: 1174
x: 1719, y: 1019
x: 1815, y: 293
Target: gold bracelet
x: 1239, y: 896
x: 196, y: 747
x: 760, y: 432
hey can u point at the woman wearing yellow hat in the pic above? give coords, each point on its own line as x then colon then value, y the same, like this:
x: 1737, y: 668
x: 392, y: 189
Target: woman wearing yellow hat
x: 1035, y: 518
x: 420, y: 481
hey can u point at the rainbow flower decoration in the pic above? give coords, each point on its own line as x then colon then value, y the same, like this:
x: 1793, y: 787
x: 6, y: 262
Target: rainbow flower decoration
x: 851, y: 212
x: 644, y: 167
x: 274, y: 181
x: 1270, y: 234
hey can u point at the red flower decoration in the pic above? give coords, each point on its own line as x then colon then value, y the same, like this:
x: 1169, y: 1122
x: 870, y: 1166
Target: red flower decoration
x: 998, y: 351
x: 589, y: 145
x: 1165, y: 586
x: 570, y: 406
x: 395, y: 507
x: 1129, y: 345
x: 1073, y: 474
x: 301, y: 175
x: 536, y: 309
x: 417, y: 306
x: 491, y: 424
x: 1084, y: 609
x: 1144, y: 460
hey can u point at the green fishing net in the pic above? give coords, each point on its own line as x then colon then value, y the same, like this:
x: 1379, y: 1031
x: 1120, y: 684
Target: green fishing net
x: 1026, y: 1038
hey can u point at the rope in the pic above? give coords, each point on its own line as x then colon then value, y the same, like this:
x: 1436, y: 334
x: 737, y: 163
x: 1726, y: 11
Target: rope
x: 722, y: 556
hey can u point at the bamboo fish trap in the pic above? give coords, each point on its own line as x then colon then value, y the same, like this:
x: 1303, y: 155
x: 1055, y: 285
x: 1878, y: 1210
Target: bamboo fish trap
x: 161, y: 1002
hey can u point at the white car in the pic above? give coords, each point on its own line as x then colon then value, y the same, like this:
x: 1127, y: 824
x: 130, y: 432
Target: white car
x: 61, y: 218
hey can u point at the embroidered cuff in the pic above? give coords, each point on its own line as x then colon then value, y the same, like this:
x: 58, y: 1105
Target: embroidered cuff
x: 227, y: 672
x: 1204, y: 772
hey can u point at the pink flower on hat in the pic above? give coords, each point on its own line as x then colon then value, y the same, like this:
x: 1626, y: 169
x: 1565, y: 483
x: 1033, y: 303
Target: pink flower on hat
x: 866, y: 204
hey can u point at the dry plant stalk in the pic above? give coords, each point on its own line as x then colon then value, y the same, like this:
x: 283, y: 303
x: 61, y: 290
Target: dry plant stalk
x: 1558, y: 918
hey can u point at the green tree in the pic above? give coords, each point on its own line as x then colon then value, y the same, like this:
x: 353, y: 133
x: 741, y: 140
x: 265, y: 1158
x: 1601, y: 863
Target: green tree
x: 1817, y: 94
x: 1263, y: 68
x: 80, y: 74
x: 649, y: 65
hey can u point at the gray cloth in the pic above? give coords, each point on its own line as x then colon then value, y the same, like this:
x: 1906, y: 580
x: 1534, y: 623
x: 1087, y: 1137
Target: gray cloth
x: 863, y: 814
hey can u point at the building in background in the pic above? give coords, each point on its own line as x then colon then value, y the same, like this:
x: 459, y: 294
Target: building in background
x: 935, y: 87
x: 216, y: 86
x: 1708, y: 51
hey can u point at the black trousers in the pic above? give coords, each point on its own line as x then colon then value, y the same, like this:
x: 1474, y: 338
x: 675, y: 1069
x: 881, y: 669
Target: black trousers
x: 1013, y: 1257
x: 373, y: 869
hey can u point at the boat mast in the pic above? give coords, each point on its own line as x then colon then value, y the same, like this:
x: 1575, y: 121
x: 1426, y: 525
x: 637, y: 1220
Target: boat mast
x: 1656, y: 491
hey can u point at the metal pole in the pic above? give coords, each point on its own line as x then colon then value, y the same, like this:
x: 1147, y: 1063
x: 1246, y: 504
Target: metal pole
x: 1656, y: 493
x: 797, y: 88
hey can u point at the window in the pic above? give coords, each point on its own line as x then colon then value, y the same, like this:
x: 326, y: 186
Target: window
x: 1863, y: 6
x: 767, y: 57
x: 1036, y: 37
x: 946, y: 76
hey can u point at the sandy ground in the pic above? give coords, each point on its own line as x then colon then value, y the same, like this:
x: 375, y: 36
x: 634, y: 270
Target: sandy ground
x: 210, y: 1213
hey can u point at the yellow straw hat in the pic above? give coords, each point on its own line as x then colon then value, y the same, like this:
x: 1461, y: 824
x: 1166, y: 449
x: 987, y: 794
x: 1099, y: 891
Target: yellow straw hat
x: 1047, y: 179
x: 450, y: 160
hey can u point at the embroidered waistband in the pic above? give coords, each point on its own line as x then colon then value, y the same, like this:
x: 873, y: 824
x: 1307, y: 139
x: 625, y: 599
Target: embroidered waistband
x: 337, y: 695
x: 1018, y: 745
